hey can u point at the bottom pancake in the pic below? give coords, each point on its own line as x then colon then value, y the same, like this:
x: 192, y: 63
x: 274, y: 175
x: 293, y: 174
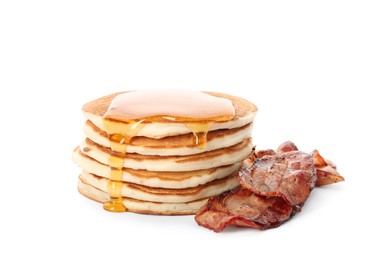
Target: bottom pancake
x: 145, y: 207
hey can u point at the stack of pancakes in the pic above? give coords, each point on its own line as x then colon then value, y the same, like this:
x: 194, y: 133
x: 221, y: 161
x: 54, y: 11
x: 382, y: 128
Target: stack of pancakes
x: 164, y: 172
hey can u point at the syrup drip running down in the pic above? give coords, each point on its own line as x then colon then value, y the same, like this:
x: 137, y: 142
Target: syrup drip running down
x: 118, y: 152
x: 118, y: 143
x: 129, y: 112
x: 199, y: 131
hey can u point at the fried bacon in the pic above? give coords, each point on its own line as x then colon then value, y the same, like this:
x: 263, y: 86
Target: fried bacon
x: 242, y: 207
x: 290, y: 175
x: 274, y: 186
x: 326, y: 170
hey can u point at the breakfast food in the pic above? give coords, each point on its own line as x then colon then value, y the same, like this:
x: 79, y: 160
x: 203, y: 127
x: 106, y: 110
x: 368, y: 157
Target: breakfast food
x: 163, y: 151
x: 274, y: 186
x: 326, y: 170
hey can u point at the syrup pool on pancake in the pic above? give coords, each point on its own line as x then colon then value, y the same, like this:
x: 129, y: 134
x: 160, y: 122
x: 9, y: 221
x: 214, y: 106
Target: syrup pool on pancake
x: 197, y: 110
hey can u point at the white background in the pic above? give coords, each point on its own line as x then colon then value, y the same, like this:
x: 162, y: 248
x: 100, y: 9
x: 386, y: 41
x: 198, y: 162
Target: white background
x: 320, y: 70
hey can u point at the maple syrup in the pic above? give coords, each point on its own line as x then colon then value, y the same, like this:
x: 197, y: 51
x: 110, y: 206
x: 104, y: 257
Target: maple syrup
x: 119, y: 138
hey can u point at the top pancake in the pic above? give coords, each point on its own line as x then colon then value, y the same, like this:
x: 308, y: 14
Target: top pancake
x: 245, y: 111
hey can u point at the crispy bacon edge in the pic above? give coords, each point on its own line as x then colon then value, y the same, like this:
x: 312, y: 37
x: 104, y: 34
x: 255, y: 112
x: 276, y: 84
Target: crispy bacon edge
x: 326, y: 170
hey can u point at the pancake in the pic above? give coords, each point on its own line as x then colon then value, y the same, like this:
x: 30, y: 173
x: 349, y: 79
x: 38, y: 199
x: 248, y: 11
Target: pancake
x: 145, y: 207
x: 173, y: 145
x: 145, y: 193
x: 245, y: 112
x: 207, y: 160
x: 175, y: 180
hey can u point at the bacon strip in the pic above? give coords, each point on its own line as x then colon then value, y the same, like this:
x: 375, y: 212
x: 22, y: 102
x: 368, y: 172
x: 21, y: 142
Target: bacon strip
x: 242, y: 207
x: 290, y: 175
